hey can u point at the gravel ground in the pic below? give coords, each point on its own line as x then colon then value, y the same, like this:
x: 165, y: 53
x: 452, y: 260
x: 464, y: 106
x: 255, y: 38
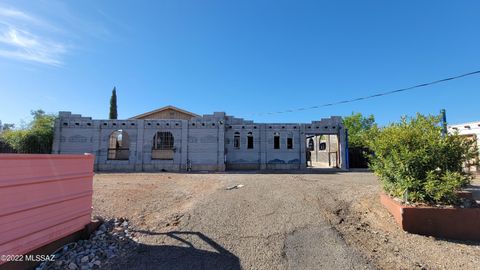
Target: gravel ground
x: 275, y: 221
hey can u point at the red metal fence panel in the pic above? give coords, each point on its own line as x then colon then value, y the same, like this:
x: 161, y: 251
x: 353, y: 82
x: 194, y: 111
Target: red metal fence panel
x: 42, y: 199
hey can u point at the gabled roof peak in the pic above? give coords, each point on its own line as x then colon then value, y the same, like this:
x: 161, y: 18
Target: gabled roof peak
x: 168, y: 107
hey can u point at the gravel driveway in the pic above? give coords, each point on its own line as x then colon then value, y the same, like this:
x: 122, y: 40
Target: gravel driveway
x: 275, y: 221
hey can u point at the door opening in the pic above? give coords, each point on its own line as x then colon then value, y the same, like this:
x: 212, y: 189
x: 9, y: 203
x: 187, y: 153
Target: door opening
x: 322, y: 151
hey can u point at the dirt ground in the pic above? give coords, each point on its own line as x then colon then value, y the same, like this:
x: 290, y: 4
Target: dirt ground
x: 276, y: 221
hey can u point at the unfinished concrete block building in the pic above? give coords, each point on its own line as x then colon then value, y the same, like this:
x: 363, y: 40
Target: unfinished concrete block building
x: 171, y: 139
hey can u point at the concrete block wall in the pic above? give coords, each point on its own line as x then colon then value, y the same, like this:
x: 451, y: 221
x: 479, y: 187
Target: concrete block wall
x: 202, y: 143
x: 198, y: 144
x: 243, y: 158
x: 150, y: 129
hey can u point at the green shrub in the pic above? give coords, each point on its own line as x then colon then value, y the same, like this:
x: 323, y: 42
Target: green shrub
x: 359, y: 127
x: 416, y: 163
x: 37, y: 137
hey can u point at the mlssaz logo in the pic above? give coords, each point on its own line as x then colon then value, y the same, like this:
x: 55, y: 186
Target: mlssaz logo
x: 40, y: 258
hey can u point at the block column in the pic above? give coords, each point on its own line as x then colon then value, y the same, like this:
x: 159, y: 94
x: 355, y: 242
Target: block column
x: 139, y: 147
x: 263, y: 146
x: 303, y: 147
x: 56, y: 137
x: 342, y: 148
x: 184, y: 147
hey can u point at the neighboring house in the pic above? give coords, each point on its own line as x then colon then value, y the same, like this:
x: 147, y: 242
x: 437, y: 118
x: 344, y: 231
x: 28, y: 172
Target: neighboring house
x: 470, y: 130
x: 172, y: 139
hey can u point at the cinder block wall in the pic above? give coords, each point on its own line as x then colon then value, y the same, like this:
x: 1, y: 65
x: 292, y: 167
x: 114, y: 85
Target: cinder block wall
x: 203, y: 143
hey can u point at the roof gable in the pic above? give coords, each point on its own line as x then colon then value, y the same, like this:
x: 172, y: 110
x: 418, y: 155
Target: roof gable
x: 167, y: 112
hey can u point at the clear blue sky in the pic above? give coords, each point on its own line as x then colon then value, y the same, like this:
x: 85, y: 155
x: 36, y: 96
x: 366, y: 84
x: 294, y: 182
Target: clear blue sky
x: 242, y: 57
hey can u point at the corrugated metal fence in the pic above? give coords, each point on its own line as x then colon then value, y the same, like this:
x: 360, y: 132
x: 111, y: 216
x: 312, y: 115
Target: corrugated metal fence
x: 42, y: 199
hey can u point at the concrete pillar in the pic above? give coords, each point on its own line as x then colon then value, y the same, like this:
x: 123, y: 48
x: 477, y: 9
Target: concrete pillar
x: 184, y: 147
x: 342, y: 148
x: 263, y: 146
x: 56, y: 137
x: 139, y: 145
x: 97, y: 140
x: 303, y: 147
x: 221, y: 145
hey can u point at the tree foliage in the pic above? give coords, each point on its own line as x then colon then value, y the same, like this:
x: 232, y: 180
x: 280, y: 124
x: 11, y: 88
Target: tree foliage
x: 6, y: 127
x: 36, y: 137
x: 359, y: 128
x: 416, y: 163
x: 113, y: 104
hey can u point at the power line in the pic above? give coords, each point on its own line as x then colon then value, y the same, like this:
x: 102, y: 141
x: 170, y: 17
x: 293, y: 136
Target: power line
x: 375, y: 95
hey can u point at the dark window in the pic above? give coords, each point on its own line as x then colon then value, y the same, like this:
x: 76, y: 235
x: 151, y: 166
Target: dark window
x: 250, y: 140
x: 276, y: 141
x: 236, y: 140
x: 289, y: 143
x: 118, y: 146
x: 311, y: 144
x: 322, y: 146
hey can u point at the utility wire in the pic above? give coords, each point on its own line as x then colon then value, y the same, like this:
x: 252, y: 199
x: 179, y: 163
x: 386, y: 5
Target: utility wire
x: 375, y: 95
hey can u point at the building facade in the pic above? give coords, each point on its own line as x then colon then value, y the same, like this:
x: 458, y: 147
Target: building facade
x: 471, y: 131
x: 171, y: 139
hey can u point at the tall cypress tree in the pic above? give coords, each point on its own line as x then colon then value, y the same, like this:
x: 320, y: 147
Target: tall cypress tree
x: 113, y: 104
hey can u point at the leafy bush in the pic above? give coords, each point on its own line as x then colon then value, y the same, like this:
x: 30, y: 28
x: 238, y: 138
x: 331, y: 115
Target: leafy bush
x: 37, y: 137
x: 415, y: 162
x: 359, y: 127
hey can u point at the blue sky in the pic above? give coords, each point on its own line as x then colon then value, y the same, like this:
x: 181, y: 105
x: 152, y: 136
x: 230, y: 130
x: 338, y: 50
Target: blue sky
x: 242, y: 57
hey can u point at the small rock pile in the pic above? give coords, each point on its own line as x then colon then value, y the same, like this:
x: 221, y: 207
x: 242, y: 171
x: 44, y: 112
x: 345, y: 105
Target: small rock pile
x: 111, y: 240
x: 468, y: 203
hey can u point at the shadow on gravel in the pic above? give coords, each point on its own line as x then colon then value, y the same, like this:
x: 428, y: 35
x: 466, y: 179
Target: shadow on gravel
x: 180, y: 257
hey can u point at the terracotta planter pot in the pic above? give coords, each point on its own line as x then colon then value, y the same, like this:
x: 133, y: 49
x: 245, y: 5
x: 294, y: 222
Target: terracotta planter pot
x: 451, y: 223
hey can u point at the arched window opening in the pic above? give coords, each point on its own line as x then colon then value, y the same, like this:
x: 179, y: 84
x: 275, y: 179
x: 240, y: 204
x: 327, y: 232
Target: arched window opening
x: 250, y: 140
x: 236, y: 140
x: 322, y: 143
x: 311, y: 144
x: 118, y: 145
x: 162, y: 147
x: 276, y: 140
